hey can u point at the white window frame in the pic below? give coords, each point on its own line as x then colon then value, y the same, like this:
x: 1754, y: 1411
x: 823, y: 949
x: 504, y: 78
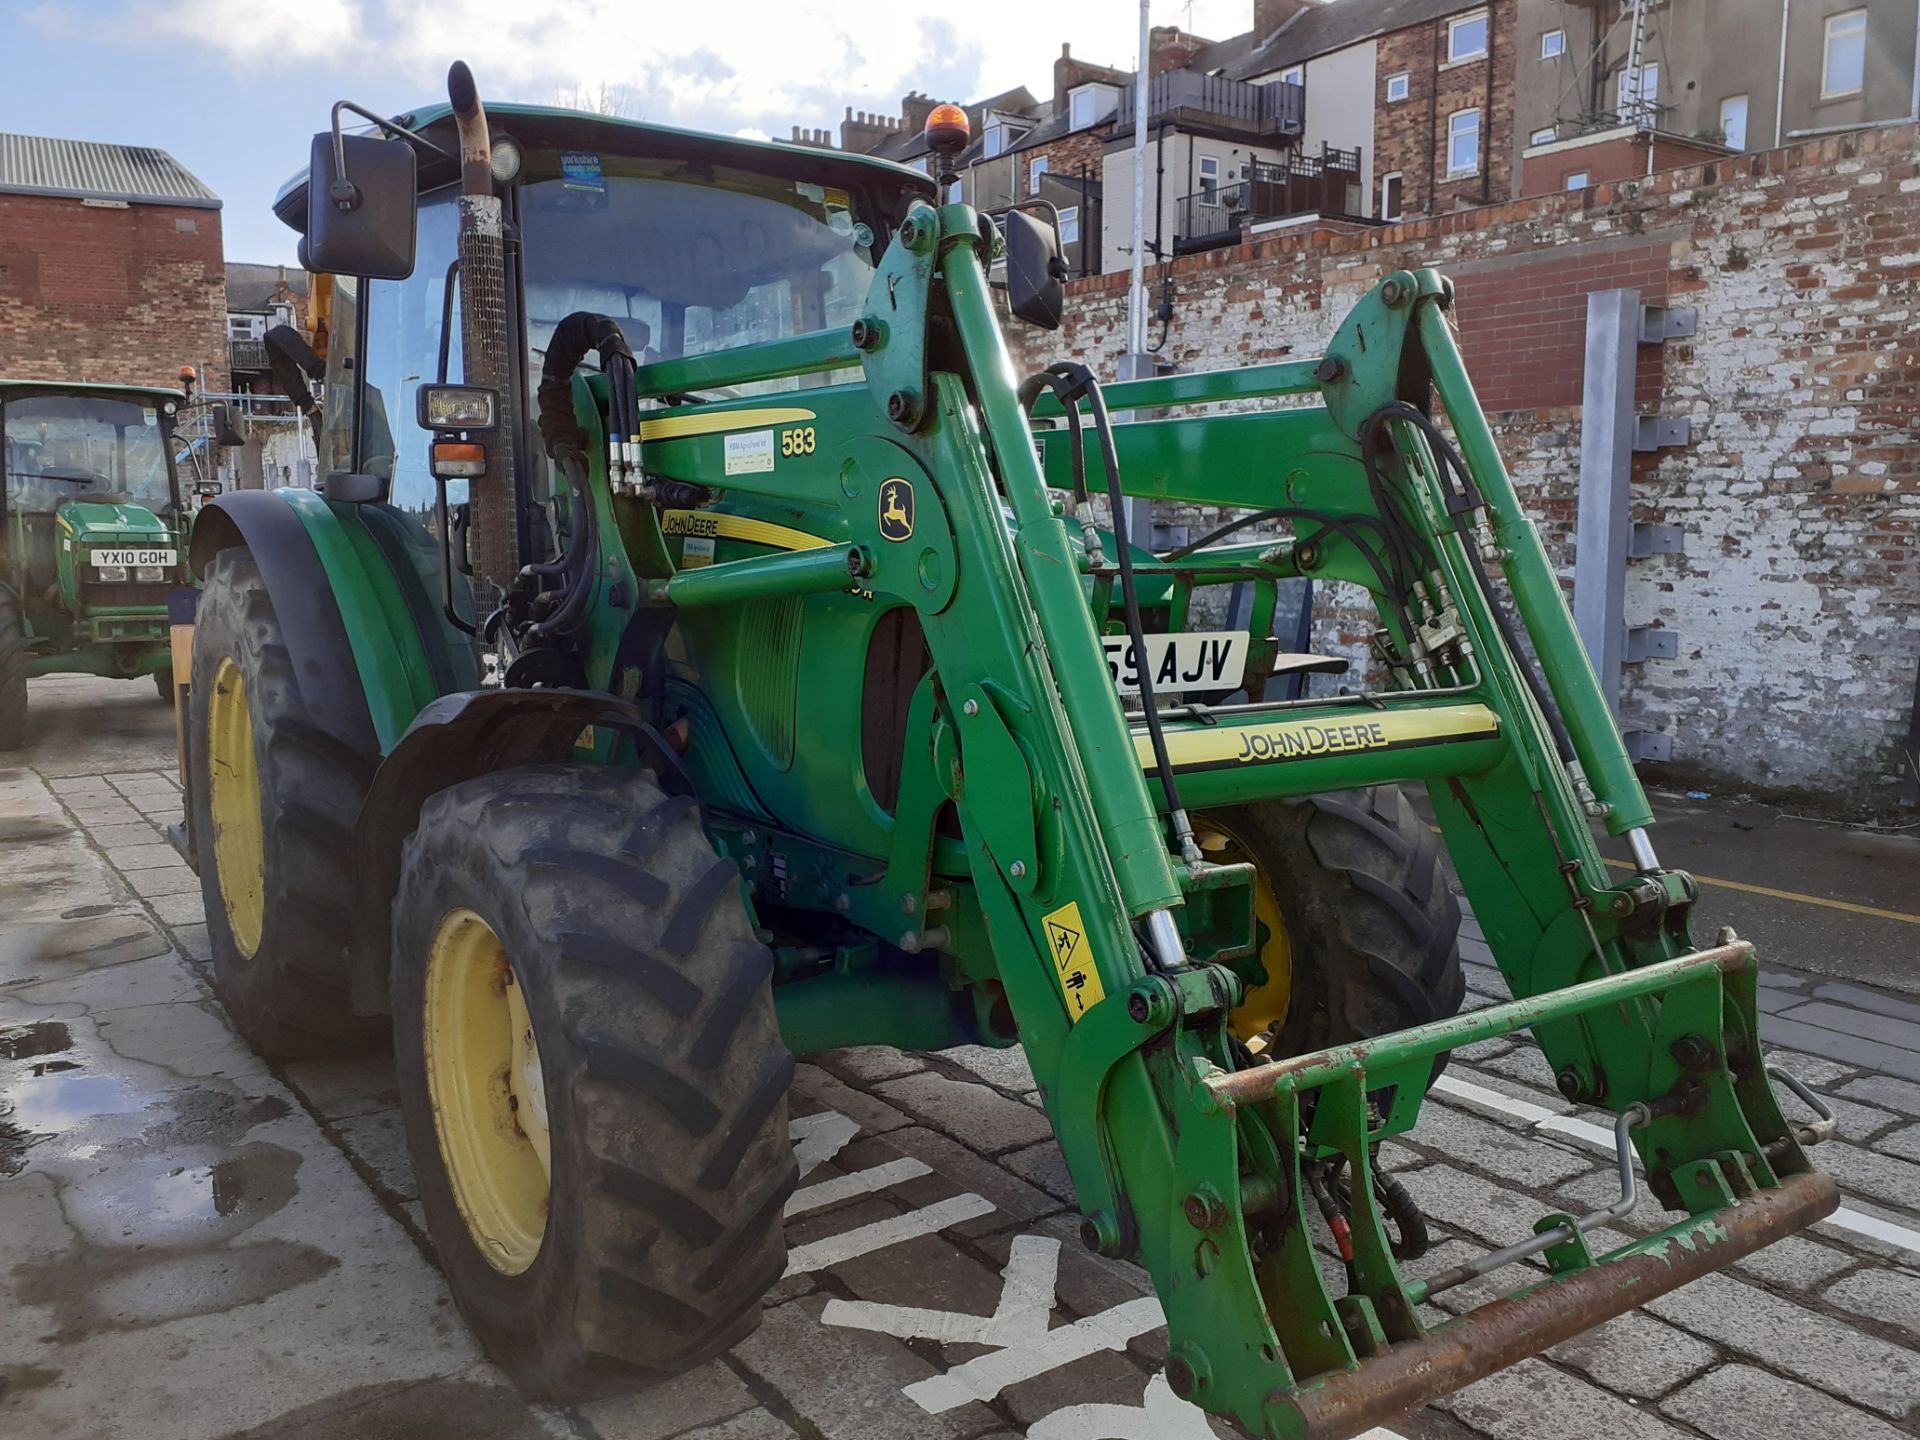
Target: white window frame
x: 1726, y: 133
x: 1096, y: 96
x: 1385, y: 181
x: 1637, y: 94
x: 1294, y: 75
x: 1855, y: 23
x: 1456, y: 56
x: 1070, y: 225
x: 1210, y: 177
x: 1577, y: 180
x: 1543, y: 137
x: 1553, y: 44
x: 1456, y: 133
x: 1403, y: 82
x: 1036, y: 167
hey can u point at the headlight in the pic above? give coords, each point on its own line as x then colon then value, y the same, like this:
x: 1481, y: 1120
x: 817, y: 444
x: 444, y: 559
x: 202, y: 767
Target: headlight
x: 150, y: 574
x: 110, y: 572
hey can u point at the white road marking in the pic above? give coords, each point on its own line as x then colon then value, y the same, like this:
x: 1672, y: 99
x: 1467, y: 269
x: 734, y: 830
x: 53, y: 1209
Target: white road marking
x: 861, y: 1182
x: 1161, y: 1415
x: 986, y: 1376
x: 818, y: 1138
x: 1020, y: 1316
x: 804, y: 1259
x: 1600, y: 1137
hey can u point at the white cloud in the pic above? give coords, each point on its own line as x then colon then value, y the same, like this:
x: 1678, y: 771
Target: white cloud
x: 761, y: 64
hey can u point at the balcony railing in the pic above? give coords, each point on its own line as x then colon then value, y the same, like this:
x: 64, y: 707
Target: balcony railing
x: 247, y: 354
x: 1278, y: 110
x: 1324, y: 184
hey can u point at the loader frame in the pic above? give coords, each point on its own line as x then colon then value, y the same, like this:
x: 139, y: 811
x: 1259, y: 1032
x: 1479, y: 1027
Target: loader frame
x: 1041, y: 917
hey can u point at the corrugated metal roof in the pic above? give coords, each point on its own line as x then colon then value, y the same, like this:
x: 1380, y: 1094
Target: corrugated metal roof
x: 86, y: 169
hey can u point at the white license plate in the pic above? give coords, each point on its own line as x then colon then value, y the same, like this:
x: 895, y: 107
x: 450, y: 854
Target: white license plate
x: 1193, y: 660
x: 130, y: 558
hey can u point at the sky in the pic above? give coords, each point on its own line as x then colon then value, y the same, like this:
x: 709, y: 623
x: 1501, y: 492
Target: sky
x: 234, y: 89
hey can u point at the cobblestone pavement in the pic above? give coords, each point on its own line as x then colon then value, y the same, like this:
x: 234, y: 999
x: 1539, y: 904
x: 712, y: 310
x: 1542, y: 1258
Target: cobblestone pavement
x: 195, y: 1246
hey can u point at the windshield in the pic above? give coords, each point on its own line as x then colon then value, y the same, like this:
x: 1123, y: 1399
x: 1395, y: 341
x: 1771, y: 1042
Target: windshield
x: 92, y: 447
x: 691, y: 259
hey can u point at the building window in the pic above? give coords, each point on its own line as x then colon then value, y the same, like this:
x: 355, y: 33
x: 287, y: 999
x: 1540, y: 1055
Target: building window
x: 1210, y: 176
x: 1463, y: 142
x: 1391, y: 190
x: 999, y: 136
x: 1577, y: 180
x: 1541, y: 137
x: 1091, y: 104
x: 1845, y: 69
x: 1070, y: 225
x: 1733, y: 121
x: 1553, y: 44
x: 1467, y: 38
x: 1294, y: 75
x: 1398, y: 86
x: 1638, y: 97
x: 1036, y: 167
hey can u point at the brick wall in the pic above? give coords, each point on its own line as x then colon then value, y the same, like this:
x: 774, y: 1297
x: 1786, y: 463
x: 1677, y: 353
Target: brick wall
x: 1797, y: 601
x: 93, y: 292
x: 1411, y: 135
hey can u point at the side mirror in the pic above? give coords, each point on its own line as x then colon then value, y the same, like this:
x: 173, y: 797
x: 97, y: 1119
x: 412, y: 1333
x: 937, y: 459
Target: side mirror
x: 360, y: 207
x: 1036, y: 273
x: 226, y: 434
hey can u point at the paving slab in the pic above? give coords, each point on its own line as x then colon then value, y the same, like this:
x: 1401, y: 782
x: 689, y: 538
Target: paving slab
x: 1822, y: 1351
x: 1532, y: 1400
x: 690, y: 1402
x: 1738, y: 1402
x: 1004, y: 1069
x: 1635, y: 1354
x: 1888, y: 1295
x: 980, y: 1118
x: 1884, y: 1091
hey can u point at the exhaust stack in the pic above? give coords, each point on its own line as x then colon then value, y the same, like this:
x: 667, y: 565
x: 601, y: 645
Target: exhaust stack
x: 484, y: 338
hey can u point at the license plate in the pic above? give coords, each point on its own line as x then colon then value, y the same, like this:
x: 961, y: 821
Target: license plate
x: 130, y: 558
x: 1191, y: 660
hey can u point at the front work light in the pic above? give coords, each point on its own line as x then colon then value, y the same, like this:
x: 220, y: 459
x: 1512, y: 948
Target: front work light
x: 458, y: 407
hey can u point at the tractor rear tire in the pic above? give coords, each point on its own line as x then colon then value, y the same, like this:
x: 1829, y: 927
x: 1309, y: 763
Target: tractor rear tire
x: 273, y: 828
x: 642, y: 1245
x: 13, y: 675
x: 1372, y: 928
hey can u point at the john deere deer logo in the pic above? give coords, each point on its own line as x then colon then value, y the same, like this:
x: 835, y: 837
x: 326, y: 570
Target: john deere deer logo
x: 896, y: 510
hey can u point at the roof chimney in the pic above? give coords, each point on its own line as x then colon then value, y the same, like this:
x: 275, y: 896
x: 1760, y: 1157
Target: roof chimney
x: 914, y: 110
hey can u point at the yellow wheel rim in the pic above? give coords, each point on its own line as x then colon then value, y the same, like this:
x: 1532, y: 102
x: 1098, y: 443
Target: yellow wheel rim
x: 1264, y: 1006
x: 489, y: 1096
x: 239, y: 838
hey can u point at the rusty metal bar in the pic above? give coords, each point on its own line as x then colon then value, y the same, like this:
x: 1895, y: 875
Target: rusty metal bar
x: 1303, y: 1072
x: 1506, y: 1331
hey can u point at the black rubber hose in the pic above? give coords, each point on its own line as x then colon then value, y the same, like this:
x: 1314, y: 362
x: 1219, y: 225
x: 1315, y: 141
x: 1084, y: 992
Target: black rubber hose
x: 1403, y: 1210
x: 585, y: 543
x: 1030, y: 389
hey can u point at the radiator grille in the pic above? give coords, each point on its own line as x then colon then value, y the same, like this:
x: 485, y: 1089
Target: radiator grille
x: 768, y: 673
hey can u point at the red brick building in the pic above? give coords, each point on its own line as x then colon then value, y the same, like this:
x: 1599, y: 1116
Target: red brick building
x: 110, y: 265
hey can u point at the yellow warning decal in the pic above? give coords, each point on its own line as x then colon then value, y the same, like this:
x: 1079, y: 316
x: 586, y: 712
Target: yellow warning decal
x: 1217, y: 746
x: 1073, y: 959
x: 713, y: 525
x: 680, y: 427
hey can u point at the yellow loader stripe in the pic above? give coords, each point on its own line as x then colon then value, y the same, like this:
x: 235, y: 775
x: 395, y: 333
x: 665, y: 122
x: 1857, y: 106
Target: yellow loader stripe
x: 679, y: 427
x: 1219, y: 746
x: 712, y: 524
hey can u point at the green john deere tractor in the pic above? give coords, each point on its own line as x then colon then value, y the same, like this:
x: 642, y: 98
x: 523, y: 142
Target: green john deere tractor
x: 700, y: 656
x: 92, y: 536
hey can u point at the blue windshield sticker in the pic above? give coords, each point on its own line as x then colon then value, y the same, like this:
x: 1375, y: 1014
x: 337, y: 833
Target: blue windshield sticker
x: 580, y: 170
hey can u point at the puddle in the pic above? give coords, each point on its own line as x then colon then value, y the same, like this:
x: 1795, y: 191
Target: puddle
x: 32, y: 829
x: 102, y: 1290
x: 158, y: 1200
x: 86, y: 912
x: 42, y: 1037
x: 55, y: 1104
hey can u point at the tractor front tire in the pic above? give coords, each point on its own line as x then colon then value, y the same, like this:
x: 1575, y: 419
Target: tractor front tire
x: 1371, y: 929
x: 274, y: 803
x: 13, y: 675
x: 163, y: 685
x: 592, y: 1076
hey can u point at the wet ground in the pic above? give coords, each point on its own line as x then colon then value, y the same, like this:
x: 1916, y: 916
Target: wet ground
x: 193, y: 1245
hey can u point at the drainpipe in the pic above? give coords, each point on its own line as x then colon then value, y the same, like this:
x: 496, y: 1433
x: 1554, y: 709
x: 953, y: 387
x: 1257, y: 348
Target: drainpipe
x: 1780, y: 91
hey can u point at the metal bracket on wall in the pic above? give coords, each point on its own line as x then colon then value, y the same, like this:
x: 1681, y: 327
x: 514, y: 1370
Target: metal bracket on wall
x: 1645, y: 539
x: 1645, y: 643
x: 1647, y: 745
x: 1667, y: 322
x: 1658, y: 432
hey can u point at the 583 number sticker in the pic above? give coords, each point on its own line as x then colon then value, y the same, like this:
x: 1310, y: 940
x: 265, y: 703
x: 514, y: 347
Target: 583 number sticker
x: 797, y: 441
